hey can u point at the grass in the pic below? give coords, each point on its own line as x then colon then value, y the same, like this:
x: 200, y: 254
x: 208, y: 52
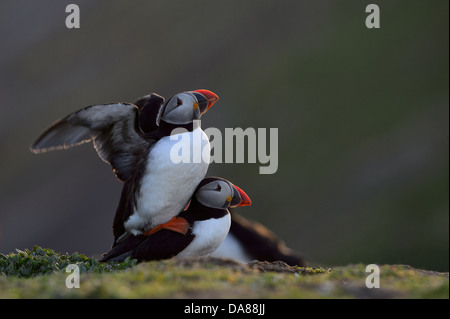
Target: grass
x: 41, y: 261
x: 39, y: 273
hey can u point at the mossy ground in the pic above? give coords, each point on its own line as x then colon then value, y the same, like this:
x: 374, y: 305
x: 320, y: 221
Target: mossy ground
x: 208, y: 278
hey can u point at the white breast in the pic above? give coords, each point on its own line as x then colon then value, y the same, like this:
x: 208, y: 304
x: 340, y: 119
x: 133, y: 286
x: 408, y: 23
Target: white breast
x: 167, y: 186
x: 209, y: 234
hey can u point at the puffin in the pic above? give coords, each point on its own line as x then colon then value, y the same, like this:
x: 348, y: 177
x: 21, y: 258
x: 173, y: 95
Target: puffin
x: 195, y: 232
x: 247, y: 239
x: 155, y: 187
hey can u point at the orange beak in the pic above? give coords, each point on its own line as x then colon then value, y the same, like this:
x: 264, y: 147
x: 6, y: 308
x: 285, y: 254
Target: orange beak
x: 241, y: 200
x: 210, y: 97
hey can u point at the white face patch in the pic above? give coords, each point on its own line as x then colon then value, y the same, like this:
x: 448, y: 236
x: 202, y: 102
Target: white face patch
x: 215, y: 194
x: 181, y: 109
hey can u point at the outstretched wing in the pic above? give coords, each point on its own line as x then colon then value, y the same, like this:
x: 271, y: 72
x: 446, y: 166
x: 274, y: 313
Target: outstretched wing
x: 114, y: 129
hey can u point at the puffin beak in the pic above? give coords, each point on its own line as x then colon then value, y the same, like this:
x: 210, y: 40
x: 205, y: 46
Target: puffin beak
x: 240, y: 198
x: 206, y: 99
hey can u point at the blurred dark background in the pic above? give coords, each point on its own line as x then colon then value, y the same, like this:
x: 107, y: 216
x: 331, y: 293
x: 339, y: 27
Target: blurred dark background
x: 363, y: 172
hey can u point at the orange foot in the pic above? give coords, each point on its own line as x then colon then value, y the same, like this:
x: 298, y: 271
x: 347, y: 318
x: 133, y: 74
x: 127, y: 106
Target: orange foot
x: 176, y: 224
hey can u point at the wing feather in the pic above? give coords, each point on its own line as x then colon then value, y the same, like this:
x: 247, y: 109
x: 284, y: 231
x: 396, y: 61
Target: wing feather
x: 114, y: 129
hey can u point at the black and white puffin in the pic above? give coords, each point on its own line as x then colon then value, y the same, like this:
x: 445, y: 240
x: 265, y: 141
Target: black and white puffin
x: 156, y: 188
x: 196, y: 231
x: 247, y: 240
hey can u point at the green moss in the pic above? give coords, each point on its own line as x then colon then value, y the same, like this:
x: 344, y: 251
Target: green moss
x: 40, y: 261
x: 38, y: 274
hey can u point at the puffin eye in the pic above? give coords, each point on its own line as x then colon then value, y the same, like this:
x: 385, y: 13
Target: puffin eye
x: 179, y: 102
x: 218, y: 188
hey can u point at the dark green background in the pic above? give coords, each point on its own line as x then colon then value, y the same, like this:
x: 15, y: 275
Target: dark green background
x: 362, y: 117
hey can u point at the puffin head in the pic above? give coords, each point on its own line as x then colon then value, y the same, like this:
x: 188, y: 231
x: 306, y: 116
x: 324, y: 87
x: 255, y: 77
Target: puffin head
x: 216, y: 192
x: 185, y: 107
